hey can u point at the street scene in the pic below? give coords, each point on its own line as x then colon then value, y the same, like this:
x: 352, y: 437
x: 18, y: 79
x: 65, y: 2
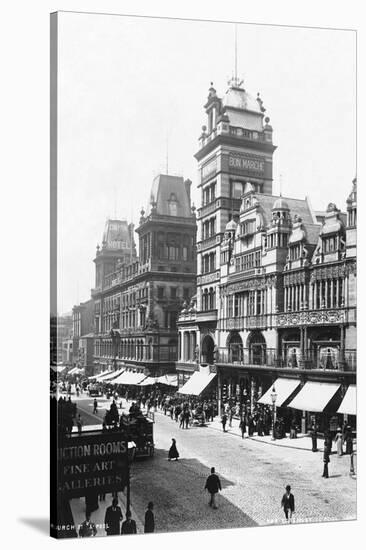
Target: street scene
x: 253, y: 471
x: 203, y: 368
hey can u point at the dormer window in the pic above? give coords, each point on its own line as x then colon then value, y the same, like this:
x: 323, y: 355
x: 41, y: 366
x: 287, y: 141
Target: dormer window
x: 295, y: 252
x: 247, y: 228
x: 173, y: 205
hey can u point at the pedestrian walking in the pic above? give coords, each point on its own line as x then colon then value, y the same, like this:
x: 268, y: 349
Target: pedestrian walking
x: 149, y: 526
x: 79, y: 424
x: 129, y: 525
x: 242, y: 426
x: 260, y: 425
x: 328, y: 441
x: 173, y: 451
x: 87, y: 528
x: 314, y: 438
x: 95, y: 408
x: 293, y: 429
x: 231, y: 416
x: 223, y: 421
x: 250, y: 425
x: 326, y: 460
x: 288, y: 503
x: 181, y: 420
x: 113, y: 518
x: 339, y: 442
x: 213, y: 486
x: 348, y: 440
x: 187, y: 416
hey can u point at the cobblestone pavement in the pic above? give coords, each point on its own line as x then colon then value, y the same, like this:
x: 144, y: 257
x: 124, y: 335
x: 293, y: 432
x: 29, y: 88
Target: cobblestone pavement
x: 253, y: 477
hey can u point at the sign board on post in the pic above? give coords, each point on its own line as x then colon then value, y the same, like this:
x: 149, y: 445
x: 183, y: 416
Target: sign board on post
x: 92, y: 461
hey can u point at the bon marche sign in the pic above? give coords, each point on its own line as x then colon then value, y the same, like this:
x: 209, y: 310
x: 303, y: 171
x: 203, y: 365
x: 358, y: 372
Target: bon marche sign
x: 92, y: 462
x: 246, y: 163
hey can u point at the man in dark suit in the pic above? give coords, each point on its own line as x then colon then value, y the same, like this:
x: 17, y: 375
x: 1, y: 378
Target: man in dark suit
x: 149, y: 519
x: 128, y: 526
x: 326, y: 460
x: 288, y: 503
x: 314, y: 438
x: 113, y: 518
x: 213, y: 485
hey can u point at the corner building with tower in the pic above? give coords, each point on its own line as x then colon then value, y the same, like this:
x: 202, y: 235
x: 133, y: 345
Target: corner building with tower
x: 137, y: 298
x: 276, y: 280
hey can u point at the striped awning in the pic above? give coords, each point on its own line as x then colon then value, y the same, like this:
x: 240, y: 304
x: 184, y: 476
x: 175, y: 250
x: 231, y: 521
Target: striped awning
x: 284, y: 387
x: 129, y: 378
x: 314, y: 396
x: 197, y: 383
x: 168, y: 380
x: 348, y: 405
x: 99, y: 377
x: 112, y: 375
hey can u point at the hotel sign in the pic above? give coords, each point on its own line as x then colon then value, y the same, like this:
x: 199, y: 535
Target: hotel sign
x: 96, y: 462
x: 246, y: 164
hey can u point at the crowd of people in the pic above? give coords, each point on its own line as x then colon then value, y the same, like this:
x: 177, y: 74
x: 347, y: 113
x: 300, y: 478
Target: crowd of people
x: 63, y: 414
x: 114, y: 524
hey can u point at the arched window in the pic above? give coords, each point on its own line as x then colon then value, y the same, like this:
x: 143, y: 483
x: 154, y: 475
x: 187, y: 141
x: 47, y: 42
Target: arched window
x: 173, y: 205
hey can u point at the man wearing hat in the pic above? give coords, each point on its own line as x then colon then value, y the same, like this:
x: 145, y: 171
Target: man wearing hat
x: 326, y: 460
x: 288, y: 503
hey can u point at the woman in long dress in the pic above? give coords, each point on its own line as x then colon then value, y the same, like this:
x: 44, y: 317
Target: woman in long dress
x: 339, y: 442
x: 173, y: 451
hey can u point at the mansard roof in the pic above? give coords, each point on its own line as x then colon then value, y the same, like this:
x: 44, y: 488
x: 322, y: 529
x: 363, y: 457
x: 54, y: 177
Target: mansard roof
x: 116, y: 231
x: 299, y: 207
x: 166, y: 190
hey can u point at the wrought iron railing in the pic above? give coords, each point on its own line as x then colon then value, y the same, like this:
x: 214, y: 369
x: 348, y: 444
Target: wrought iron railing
x: 270, y: 357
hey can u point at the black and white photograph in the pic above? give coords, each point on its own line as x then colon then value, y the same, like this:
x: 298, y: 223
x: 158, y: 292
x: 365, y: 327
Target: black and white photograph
x: 203, y: 321
x: 181, y: 345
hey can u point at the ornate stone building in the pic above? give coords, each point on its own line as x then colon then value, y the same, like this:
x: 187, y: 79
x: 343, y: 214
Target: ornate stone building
x: 82, y: 335
x: 137, y: 299
x: 276, y: 282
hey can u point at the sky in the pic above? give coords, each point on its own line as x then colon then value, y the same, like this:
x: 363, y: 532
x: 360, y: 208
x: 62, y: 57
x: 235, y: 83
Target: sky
x: 130, y: 101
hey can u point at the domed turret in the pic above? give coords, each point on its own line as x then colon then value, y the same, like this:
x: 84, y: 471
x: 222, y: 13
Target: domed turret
x: 231, y: 226
x: 280, y: 204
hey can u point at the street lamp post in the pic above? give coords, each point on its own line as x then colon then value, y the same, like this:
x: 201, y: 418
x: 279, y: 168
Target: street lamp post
x: 273, y: 397
x: 130, y: 459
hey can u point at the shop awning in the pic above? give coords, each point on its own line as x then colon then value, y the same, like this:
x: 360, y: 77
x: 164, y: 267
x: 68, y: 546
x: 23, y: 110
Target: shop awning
x: 197, y: 383
x: 148, y: 381
x: 111, y: 375
x: 129, y: 378
x: 283, y: 388
x: 348, y: 405
x: 75, y: 370
x: 58, y: 368
x: 100, y: 376
x: 314, y: 396
x: 168, y: 380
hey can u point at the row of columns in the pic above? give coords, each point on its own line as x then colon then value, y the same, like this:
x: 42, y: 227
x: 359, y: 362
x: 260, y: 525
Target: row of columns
x: 127, y: 350
x: 327, y: 293
x: 295, y: 297
x: 187, y: 345
x: 332, y: 288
